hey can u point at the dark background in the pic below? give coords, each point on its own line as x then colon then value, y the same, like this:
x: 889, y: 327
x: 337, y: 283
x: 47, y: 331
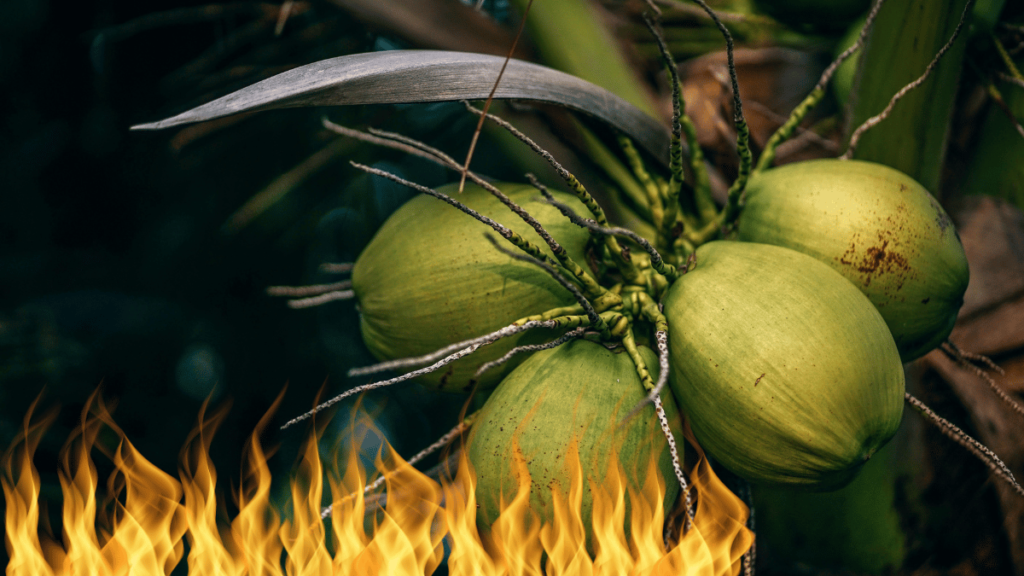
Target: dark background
x: 117, y: 270
x: 120, y: 270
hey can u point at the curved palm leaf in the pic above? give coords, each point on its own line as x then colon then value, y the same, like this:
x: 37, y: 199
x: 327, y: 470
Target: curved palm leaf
x: 405, y: 76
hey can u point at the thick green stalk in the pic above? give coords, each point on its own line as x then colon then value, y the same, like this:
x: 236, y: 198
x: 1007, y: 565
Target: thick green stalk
x: 905, y: 38
x: 995, y: 168
x: 629, y: 343
x: 570, y: 36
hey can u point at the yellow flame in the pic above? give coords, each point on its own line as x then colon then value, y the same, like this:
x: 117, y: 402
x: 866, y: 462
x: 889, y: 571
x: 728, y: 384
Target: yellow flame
x: 141, y: 527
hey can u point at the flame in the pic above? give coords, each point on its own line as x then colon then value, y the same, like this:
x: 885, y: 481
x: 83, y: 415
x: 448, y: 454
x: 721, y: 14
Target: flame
x: 147, y: 517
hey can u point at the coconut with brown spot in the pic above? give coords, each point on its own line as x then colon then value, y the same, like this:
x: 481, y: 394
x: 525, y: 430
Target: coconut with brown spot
x: 877, y: 227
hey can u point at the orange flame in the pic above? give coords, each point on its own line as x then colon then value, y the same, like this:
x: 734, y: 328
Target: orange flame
x: 142, y: 528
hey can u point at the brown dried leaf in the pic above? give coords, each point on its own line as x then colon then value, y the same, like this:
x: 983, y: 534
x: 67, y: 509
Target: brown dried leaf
x: 772, y: 82
x: 992, y: 232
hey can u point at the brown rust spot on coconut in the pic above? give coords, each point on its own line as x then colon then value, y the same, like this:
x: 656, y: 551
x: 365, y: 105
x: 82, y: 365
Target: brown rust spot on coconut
x: 878, y: 260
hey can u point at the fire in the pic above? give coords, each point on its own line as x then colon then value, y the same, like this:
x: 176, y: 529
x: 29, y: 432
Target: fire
x: 149, y: 519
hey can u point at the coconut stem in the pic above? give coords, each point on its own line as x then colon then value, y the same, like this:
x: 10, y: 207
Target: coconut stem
x: 313, y: 301
x: 595, y: 320
x: 963, y: 360
x: 800, y: 112
x: 410, y: 145
x: 570, y: 179
x: 732, y: 206
x: 572, y: 334
x: 750, y: 558
x: 507, y: 233
x: 336, y: 267
x: 311, y: 290
x: 441, y: 442
x: 677, y: 466
x: 621, y: 256
x: 573, y: 310
x: 636, y: 165
x: 949, y: 346
x: 374, y: 385
x: 682, y: 125
x: 675, y: 150
x: 874, y: 120
x: 1008, y: 60
x: 401, y: 363
x: 574, y: 184
x: 663, y: 366
x: 657, y: 262
x: 973, y: 446
x: 629, y: 343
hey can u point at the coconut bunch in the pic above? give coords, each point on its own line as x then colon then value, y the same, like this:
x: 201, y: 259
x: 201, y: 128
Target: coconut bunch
x: 776, y: 325
x: 779, y: 321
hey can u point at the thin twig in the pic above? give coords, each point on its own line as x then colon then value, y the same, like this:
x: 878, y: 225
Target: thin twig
x: 380, y: 141
x: 336, y: 267
x: 411, y: 146
x: 445, y: 159
x: 1011, y: 79
x: 675, y: 157
x: 997, y: 97
x: 321, y: 299
x: 845, y: 54
x: 663, y: 369
x: 438, y: 354
x: 490, y: 97
x: 657, y: 262
x: 726, y: 16
x: 374, y: 385
x: 750, y: 558
x: 499, y: 228
x: 874, y: 120
x: 1007, y: 59
x: 981, y: 358
x: 961, y: 358
x: 311, y: 290
x: 440, y: 443
x: 591, y: 285
x: 677, y: 466
x: 742, y: 130
x: 570, y: 179
x: 785, y: 131
x: 595, y: 321
x: 973, y: 446
x: 575, y: 333
x: 282, y: 17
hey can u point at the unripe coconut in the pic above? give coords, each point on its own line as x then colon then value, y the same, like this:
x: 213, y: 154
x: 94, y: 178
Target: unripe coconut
x: 579, y: 390
x: 786, y: 372
x: 877, y: 227
x: 430, y: 278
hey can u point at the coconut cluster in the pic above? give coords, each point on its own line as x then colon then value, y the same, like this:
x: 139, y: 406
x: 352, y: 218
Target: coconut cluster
x: 775, y: 325
x: 785, y: 340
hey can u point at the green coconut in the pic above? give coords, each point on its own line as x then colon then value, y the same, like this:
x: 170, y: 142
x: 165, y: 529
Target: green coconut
x: 430, y: 278
x: 786, y: 372
x: 877, y: 227
x: 579, y: 390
